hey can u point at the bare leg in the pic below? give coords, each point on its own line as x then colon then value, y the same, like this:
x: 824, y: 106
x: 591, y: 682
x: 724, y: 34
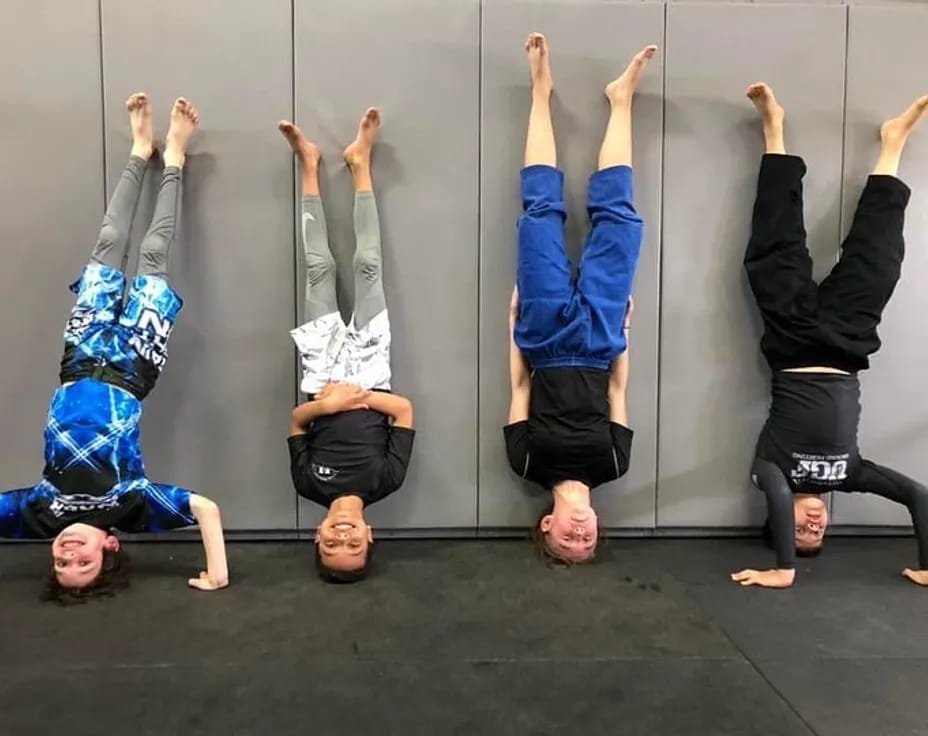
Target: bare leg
x: 894, y: 134
x: 155, y: 249
x: 540, y: 149
x: 617, y: 142
x: 369, y: 300
x: 113, y: 241
x: 307, y: 154
x: 772, y: 115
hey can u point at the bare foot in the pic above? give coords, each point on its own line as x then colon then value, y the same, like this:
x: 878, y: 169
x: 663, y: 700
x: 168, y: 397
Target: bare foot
x: 358, y: 151
x: 620, y: 91
x: 184, y: 121
x: 768, y: 107
x: 306, y: 151
x: 139, y: 109
x: 895, y: 131
x: 539, y: 62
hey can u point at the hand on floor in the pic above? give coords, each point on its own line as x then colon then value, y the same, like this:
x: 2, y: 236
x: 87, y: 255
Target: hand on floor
x: 205, y: 582
x: 919, y: 577
x: 765, y: 578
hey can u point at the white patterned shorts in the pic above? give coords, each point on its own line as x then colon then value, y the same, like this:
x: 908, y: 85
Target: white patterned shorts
x: 330, y: 350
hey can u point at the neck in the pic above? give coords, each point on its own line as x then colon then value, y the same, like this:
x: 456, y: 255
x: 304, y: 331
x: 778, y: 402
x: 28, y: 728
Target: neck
x: 347, y: 504
x: 572, y: 493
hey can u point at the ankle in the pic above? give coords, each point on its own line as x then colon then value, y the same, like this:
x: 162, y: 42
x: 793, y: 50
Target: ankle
x: 620, y: 103
x: 360, y: 165
x: 173, y: 157
x: 542, y: 90
x: 893, y: 144
x: 142, y: 150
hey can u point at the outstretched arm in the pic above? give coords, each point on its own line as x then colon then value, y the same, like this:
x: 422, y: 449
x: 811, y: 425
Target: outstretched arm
x: 216, y: 575
x: 770, y: 480
x: 618, y: 376
x: 618, y: 383
x: 913, y: 495
x: 520, y: 381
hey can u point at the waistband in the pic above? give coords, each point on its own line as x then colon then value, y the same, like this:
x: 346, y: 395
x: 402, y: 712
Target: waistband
x: 104, y: 373
x: 571, y: 361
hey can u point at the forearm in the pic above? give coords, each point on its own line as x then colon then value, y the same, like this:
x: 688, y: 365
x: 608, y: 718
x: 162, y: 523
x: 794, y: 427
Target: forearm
x: 897, y: 487
x: 519, y: 376
x: 770, y: 480
x: 393, y: 405
x: 618, y: 408
x: 305, y: 414
x: 618, y: 385
x: 618, y: 379
x: 209, y: 519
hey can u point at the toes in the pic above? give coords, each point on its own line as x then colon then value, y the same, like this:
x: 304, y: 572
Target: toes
x: 137, y: 101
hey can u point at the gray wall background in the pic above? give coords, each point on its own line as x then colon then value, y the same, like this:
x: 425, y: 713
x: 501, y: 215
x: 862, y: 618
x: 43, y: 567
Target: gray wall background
x: 452, y: 83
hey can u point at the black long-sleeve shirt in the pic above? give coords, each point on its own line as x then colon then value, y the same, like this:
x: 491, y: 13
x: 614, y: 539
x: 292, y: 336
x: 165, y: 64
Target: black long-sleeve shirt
x: 809, y: 445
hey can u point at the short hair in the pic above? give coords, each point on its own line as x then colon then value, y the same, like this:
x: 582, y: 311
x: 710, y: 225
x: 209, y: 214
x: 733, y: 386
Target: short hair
x: 113, y: 578
x: 808, y: 551
x: 767, y: 533
x: 333, y: 575
x: 545, y: 553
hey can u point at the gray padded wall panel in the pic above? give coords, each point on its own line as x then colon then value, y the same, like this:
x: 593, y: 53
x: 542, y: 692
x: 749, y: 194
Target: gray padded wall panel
x: 713, y: 379
x: 886, y: 70
x: 51, y: 194
x: 591, y: 43
x: 218, y: 420
x: 418, y: 61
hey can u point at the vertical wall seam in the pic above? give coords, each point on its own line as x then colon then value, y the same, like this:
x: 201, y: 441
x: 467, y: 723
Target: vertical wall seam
x: 842, y: 187
x: 102, y: 100
x: 293, y: 219
x: 660, y: 271
x: 843, y: 168
x: 479, y: 254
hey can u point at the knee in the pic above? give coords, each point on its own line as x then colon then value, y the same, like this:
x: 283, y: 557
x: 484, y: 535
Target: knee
x: 617, y: 213
x: 152, y: 261
x: 544, y: 208
x: 319, y: 269
x: 368, y: 265
x: 110, y: 235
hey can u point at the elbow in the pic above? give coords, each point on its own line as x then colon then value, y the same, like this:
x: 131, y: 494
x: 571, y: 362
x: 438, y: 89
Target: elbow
x: 405, y: 415
x: 204, y: 509
x: 520, y: 380
x: 296, y: 422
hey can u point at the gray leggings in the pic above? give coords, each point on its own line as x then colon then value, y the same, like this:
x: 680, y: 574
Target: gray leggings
x: 369, y: 299
x: 155, y: 250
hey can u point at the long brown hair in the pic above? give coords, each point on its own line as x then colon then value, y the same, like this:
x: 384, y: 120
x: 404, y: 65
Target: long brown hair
x: 113, y: 578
